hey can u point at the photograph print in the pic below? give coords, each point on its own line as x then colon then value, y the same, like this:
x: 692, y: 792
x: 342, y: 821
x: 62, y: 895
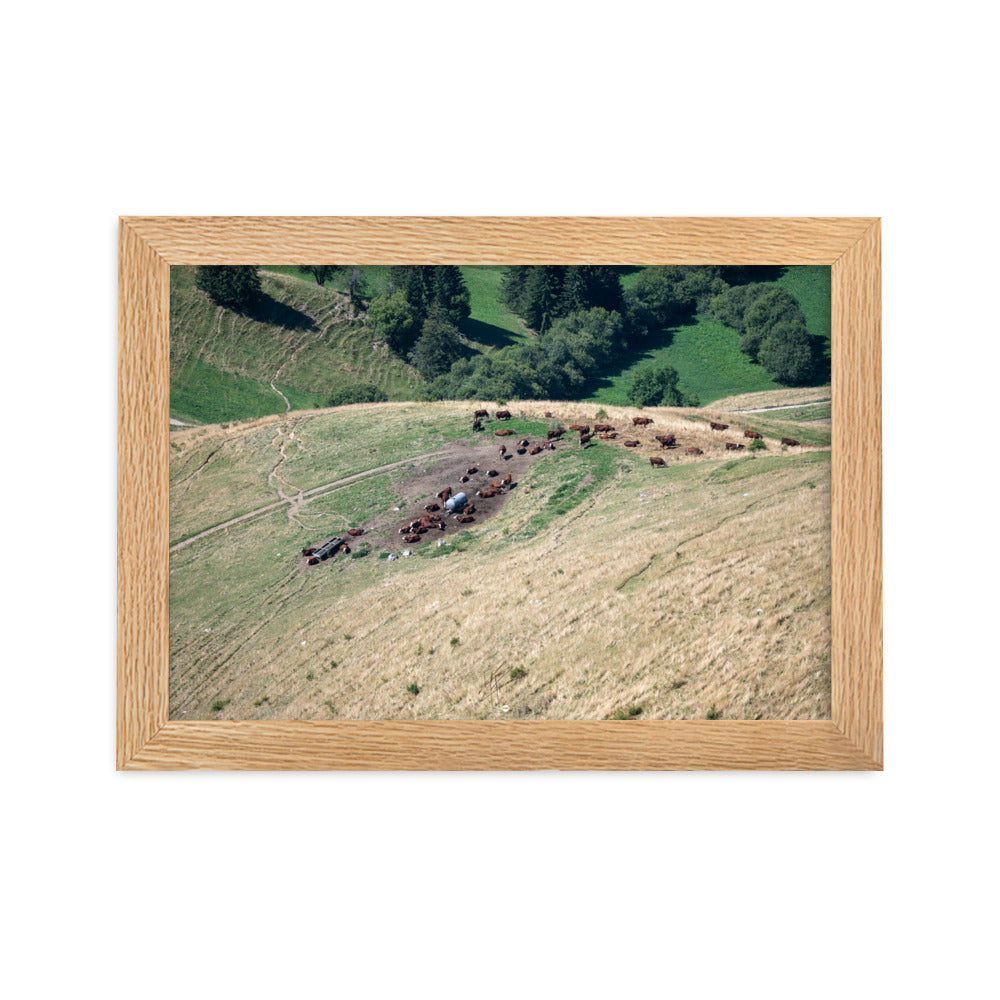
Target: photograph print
x: 589, y: 492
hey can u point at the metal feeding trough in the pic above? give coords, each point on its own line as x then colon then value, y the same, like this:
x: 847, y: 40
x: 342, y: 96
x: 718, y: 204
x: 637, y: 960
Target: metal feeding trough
x: 324, y: 551
x: 456, y: 503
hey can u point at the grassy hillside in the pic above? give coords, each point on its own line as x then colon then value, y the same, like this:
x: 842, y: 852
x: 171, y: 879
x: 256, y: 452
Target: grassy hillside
x: 222, y: 363
x: 603, y: 589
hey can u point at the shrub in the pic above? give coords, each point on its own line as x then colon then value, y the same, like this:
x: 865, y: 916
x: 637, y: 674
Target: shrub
x: 712, y: 713
x: 517, y: 673
x: 757, y: 444
x: 413, y: 689
x: 358, y: 392
x: 218, y: 705
x: 454, y: 640
x: 632, y: 712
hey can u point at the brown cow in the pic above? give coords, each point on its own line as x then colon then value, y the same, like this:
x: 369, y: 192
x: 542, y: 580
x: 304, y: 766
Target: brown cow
x: 551, y: 445
x: 503, y: 450
x: 631, y: 444
x: 463, y: 479
x: 493, y: 472
x: 411, y: 539
x: 466, y: 519
x: 582, y: 428
x: 555, y: 434
x: 481, y: 413
x: 445, y: 494
x: 470, y: 509
x: 433, y: 506
x: 718, y: 427
x: 791, y: 442
x: 476, y: 425
x: 523, y: 443
x: 536, y: 450
x: 641, y: 421
x: 506, y: 480
x: 694, y: 451
x: 503, y: 434
x: 666, y: 440
x: 731, y: 446
x: 355, y: 531
x: 548, y: 416
x: 472, y: 470
x: 503, y: 414
x: 585, y: 440
x: 522, y: 451
x: 655, y: 460
x: 603, y: 427
x: 753, y: 435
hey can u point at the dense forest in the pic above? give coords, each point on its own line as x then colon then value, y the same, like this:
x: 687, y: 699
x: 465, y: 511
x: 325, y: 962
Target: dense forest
x: 578, y: 318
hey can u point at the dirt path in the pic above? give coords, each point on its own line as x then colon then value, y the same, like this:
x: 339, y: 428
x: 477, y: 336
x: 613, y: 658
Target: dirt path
x: 783, y: 406
x: 302, y: 498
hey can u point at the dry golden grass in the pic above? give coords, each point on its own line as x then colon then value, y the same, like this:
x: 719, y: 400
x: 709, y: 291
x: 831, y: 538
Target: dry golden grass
x: 777, y: 397
x: 704, y: 585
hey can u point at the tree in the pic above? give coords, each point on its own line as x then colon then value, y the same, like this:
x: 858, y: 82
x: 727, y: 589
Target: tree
x: 357, y: 288
x: 656, y: 385
x: 236, y: 287
x: 541, y: 298
x: 437, y: 346
x: 393, y: 318
x: 357, y: 392
x: 451, y: 293
x: 321, y: 272
x: 787, y: 354
x: 767, y: 310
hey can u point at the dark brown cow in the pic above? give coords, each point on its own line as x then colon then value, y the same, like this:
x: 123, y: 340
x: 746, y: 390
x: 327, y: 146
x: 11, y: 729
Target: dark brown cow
x: 477, y: 425
x: 503, y: 414
x: 493, y: 472
x: 472, y: 470
x: 693, y: 451
x: 732, y: 446
x: 503, y: 434
x: 641, y: 421
x: 631, y: 444
x: 470, y: 509
x: 313, y: 561
x: 753, y: 435
x: 466, y: 519
x: 523, y: 443
x: 498, y: 486
x: 718, y: 427
x: 503, y: 450
x: 445, y: 494
x: 463, y: 479
x: 433, y: 506
x: 791, y: 442
x: 411, y: 539
x: 480, y: 413
x: 552, y: 435
x: 355, y: 531
x: 603, y: 427
x: 506, y: 480
x: 536, y: 450
x: 582, y: 428
x: 548, y: 416
x: 551, y: 445
x: 585, y: 440
x: 666, y: 440
x: 522, y: 451
x: 655, y: 460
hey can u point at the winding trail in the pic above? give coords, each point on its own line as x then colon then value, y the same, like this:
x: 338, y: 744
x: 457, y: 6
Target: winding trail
x: 783, y: 406
x: 303, y: 498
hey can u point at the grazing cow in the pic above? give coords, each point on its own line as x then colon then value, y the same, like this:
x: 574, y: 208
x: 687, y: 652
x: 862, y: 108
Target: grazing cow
x: 476, y: 425
x: 641, y: 421
x: 480, y: 413
x: 503, y: 414
x: 582, y: 428
x: 655, y: 460
x: 791, y: 442
x: 718, y: 427
x: 631, y: 444
x: 753, y: 435
x: 411, y: 539
x: 693, y: 451
x: 493, y: 472
x: 433, y: 506
x: 554, y: 435
x: 585, y: 440
x: 732, y: 446
x: 466, y: 519
x: 355, y: 531
x: 666, y: 440
x: 536, y: 450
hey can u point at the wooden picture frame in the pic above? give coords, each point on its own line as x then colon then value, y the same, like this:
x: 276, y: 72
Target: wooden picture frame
x: 148, y: 740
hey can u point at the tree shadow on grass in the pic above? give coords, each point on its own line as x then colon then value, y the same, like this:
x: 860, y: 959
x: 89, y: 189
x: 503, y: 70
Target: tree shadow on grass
x: 486, y: 333
x: 270, y: 310
x: 644, y: 350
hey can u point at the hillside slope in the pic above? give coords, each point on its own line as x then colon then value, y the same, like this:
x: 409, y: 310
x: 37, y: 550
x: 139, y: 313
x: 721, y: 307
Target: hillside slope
x: 305, y: 342
x: 616, y: 588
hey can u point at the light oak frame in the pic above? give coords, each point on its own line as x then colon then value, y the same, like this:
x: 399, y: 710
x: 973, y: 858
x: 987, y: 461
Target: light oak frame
x: 148, y: 740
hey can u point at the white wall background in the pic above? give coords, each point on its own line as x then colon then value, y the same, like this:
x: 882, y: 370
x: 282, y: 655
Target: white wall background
x: 497, y: 885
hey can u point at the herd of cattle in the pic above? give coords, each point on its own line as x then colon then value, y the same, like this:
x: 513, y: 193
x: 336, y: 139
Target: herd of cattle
x: 495, y: 485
